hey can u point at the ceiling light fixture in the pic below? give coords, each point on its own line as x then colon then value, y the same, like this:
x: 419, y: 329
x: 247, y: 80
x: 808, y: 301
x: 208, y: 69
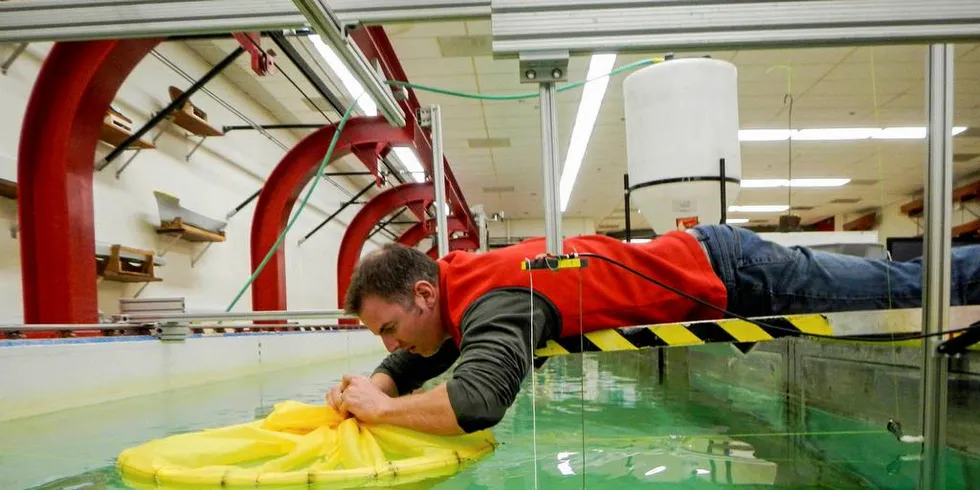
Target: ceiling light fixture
x: 838, y: 134
x: 588, y: 110
x: 354, y: 87
x: 796, y: 183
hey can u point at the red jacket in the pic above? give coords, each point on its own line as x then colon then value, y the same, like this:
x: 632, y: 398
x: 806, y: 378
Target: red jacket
x: 611, y: 297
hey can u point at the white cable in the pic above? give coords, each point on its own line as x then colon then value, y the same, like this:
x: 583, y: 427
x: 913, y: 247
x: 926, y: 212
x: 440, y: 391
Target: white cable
x: 530, y: 371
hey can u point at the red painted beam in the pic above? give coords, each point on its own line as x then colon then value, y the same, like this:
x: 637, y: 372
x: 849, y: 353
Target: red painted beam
x: 371, y: 214
x: 54, y: 171
x: 425, y: 229
x: 287, y: 180
x: 465, y: 243
x: 374, y: 43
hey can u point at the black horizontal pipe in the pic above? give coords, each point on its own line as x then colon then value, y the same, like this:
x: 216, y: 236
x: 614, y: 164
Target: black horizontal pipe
x: 272, y: 126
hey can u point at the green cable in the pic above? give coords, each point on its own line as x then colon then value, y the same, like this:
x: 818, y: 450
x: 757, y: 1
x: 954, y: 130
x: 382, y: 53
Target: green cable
x: 347, y: 114
x: 529, y: 95
x: 302, y: 204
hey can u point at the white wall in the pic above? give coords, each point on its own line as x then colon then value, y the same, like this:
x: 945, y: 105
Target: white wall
x: 219, y: 176
x: 896, y: 224
x: 526, y: 228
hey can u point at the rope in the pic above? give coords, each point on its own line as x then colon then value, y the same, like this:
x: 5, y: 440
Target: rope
x: 530, y: 372
x: 881, y: 196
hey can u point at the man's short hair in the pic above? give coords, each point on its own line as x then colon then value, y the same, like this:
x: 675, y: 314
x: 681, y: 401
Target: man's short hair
x: 390, y: 273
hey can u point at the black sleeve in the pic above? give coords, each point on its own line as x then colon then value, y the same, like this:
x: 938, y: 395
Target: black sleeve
x: 410, y: 371
x: 494, y: 354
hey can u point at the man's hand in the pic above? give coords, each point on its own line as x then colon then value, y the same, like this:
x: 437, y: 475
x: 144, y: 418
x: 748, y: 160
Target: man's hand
x: 363, y: 399
x: 334, y: 398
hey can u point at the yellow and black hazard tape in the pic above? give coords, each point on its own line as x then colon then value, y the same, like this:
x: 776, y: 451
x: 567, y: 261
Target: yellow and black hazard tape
x: 739, y: 332
x: 742, y: 334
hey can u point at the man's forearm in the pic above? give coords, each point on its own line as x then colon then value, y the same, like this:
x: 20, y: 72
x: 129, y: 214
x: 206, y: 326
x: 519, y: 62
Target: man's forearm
x: 385, y: 384
x: 428, y: 412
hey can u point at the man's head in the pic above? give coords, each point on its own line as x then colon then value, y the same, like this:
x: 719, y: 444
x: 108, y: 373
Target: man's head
x: 395, y: 292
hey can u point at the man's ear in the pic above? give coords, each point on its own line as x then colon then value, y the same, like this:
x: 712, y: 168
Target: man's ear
x: 427, y: 292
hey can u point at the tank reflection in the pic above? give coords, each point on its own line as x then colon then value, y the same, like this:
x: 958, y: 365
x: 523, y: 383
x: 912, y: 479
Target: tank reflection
x: 671, y: 460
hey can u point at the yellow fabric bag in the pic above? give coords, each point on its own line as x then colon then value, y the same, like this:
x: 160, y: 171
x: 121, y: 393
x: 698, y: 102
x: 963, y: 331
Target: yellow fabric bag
x: 299, y: 446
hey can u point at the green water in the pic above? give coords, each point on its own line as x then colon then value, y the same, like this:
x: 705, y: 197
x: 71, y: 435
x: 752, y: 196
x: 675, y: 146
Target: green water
x: 615, y: 426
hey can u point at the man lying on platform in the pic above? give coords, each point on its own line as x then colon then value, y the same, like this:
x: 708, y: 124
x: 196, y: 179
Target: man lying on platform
x: 489, y: 314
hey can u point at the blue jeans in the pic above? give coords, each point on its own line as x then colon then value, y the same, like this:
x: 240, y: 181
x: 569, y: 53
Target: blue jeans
x: 764, y: 278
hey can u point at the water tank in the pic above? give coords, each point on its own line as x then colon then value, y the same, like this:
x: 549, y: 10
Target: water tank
x: 681, y: 121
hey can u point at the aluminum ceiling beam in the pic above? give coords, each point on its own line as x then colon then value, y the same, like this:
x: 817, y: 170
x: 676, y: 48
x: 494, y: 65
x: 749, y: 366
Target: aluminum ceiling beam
x: 333, y: 33
x: 64, y: 20
x: 74, y: 20
x: 583, y: 26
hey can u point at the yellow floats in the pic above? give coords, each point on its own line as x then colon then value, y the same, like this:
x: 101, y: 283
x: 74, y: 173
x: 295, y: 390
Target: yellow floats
x: 299, y: 446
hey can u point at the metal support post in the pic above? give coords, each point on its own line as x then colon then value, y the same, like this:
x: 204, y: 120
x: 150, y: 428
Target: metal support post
x: 936, y: 259
x: 197, y: 257
x: 19, y: 50
x: 174, y: 105
x: 198, y: 145
x: 439, y: 180
x: 335, y: 213
x: 549, y: 160
x: 626, y: 204
x: 132, y: 157
x: 724, y: 191
x: 484, y: 231
x: 547, y: 68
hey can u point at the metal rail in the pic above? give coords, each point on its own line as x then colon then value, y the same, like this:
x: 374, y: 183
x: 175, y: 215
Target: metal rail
x: 333, y: 33
x: 221, y: 316
x: 936, y: 258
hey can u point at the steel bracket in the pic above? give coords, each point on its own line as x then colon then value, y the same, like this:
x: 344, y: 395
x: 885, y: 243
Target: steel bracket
x: 543, y: 66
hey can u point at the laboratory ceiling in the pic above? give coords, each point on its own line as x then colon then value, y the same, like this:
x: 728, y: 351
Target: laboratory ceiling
x: 494, y: 146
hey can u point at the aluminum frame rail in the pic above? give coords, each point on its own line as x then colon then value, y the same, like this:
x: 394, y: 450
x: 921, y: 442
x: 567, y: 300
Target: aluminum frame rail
x: 582, y: 26
x: 64, y: 20
x: 524, y: 25
x: 231, y: 315
x: 334, y: 33
x: 936, y: 260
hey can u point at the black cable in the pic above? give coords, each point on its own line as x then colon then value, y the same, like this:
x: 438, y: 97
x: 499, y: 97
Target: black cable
x: 891, y: 337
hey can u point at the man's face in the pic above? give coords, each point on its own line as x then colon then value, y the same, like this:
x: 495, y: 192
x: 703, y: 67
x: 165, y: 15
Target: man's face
x: 415, y: 327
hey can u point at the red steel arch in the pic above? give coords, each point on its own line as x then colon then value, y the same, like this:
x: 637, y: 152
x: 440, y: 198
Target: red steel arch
x: 287, y: 180
x: 54, y: 175
x: 372, y: 213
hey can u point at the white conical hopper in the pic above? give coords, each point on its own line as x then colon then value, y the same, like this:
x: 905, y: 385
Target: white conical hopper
x: 681, y: 121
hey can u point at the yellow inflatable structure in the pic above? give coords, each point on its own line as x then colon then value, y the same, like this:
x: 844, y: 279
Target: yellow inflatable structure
x: 299, y: 446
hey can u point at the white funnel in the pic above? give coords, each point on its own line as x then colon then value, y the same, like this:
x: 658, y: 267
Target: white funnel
x: 681, y: 121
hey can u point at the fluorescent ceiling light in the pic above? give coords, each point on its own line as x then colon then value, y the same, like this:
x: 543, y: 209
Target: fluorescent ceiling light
x: 411, y: 162
x: 837, y: 134
x: 769, y: 183
x: 771, y: 208
x: 588, y: 110
x: 736, y: 221
x: 365, y: 102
